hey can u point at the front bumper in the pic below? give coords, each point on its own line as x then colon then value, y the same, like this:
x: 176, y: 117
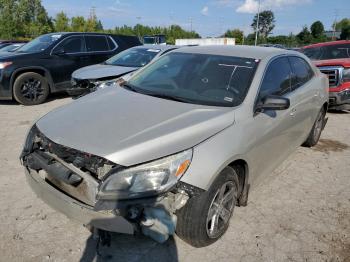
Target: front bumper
x: 339, y: 100
x: 74, y: 209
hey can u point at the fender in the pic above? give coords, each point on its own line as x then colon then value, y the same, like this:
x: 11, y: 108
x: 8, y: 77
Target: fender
x: 27, y: 69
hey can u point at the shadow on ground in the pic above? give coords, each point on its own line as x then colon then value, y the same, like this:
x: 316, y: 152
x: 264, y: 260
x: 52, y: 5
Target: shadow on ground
x: 121, y: 247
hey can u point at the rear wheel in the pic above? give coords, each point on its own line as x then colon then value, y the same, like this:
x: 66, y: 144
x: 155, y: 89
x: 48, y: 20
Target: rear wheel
x: 316, y: 130
x: 204, y: 219
x: 30, y: 89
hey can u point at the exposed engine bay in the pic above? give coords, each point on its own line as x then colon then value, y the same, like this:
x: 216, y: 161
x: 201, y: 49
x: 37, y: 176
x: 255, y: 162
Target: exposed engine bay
x: 79, y: 175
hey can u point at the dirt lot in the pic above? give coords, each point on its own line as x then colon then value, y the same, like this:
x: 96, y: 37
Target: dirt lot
x: 300, y: 213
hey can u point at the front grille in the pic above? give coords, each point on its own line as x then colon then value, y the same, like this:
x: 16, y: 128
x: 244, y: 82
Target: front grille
x: 333, y: 75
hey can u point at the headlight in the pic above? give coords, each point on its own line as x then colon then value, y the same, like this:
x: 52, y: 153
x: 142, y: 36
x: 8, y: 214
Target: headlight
x: 101, y: 85
x: 146, y: 179
x: 5, y: 64
x: 346, y: 75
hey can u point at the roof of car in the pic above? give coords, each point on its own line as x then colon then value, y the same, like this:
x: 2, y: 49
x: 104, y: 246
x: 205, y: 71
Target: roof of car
x: 339, y: 42
x: 256, y: 52
x: 159, y: 47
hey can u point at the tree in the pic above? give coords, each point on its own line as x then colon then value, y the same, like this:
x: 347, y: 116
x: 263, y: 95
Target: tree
x: 78, y: 24
x: 342, y: 24
x: 62, y: 22
x: 235, y: 33
x: 305, y: 36
x: 317, y: 29
x: 23, y: 18
x: 345, y: 33
x: 266, y: 23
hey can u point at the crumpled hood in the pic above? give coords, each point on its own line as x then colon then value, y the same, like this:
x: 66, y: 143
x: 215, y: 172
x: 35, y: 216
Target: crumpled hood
x: 101, y: 71
x: 129, y: 128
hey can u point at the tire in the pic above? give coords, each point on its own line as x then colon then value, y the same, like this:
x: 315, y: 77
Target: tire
x: 197, y: 216
x: 30, y: 89
x: 316, y: 130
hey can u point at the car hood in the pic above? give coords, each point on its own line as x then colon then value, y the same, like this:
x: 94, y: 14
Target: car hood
x: 129, y: 128
x: 101, y: 71
x: 9, y: 55
x: 333, y: 62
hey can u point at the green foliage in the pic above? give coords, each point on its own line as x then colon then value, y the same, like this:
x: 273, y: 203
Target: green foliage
x: 62, y: 23
x: 266, y: 23
x: 317, y: 29
x: 305, y: 36
x: 171, y: 33
x: 345, y: 22
x: 345, y: 33
x: 235, y: 33
x: 23, y: 19
x: 78, y: 24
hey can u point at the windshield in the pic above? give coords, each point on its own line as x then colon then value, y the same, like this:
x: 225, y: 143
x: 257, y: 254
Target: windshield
x: 197, y: 78
x: 134, y: 57
x: 328, y: 52
x: 40, y: 43
x: 149, y: 40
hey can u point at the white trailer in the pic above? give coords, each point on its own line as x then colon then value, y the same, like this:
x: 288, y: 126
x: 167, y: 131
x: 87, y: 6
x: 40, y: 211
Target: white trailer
x: 206, y: 41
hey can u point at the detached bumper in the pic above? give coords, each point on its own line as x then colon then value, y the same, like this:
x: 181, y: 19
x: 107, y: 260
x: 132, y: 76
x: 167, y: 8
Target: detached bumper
x: 74, y: 209
x: 339, y: 100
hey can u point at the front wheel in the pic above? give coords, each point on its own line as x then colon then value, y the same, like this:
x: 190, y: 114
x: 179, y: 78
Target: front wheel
x: 205, y: 218
x: 316, y: 130
x: 30, y: 89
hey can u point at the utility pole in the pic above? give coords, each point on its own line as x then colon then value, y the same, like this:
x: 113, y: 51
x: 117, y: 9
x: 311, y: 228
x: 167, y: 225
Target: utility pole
x: 257, y: 25
x: 138, y: 27
x: 335, y: 22
x: 191, y: 22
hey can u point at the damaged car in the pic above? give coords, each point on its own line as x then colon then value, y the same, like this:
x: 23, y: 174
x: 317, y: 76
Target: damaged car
x: 90, y: 78
x: 180, y: 144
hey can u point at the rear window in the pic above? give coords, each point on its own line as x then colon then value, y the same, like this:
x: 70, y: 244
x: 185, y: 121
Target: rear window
x: 302, y: 71
x: 96, y: 43
x: 328, y: 52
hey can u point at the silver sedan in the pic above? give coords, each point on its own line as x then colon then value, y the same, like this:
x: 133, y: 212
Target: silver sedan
x: 177, y: 146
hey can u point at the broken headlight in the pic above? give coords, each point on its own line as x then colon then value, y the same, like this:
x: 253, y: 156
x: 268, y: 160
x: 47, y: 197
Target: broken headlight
x: 104, y: 84
x: 146, y: 179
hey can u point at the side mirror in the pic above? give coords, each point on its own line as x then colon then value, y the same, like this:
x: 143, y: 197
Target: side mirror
x: 271, y: 102
x: 59, y: 51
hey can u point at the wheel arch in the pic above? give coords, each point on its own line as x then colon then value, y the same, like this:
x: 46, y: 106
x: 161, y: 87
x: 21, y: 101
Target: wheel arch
x: 243, y: 176
x: 35, y: 69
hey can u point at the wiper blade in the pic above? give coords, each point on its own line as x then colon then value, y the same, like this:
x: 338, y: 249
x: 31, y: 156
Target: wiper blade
x: 170, y: 97
x: 129, y: 87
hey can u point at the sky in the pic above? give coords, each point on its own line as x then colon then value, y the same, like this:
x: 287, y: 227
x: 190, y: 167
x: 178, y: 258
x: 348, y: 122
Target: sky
x: 209, y: 18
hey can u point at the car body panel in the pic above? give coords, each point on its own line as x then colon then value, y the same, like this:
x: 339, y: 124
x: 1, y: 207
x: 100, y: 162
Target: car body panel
x: 101, y: 71
x: 160, y: 127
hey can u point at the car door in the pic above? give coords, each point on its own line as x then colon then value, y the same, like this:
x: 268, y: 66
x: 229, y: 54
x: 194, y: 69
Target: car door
x: 272, y: 131
x: 99, y: 49
x: 67, y: 56
x: 305, y: 94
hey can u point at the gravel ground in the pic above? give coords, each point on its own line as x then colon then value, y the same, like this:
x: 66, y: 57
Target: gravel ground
x: 301, y: 212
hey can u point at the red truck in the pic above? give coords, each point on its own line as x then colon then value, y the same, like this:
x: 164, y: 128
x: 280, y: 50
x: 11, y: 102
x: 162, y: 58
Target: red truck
x: 333, y: 59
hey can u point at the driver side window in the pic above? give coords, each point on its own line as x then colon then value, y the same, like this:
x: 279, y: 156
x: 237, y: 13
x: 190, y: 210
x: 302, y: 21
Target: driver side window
x: 277, y: 79
x: 74, y: 44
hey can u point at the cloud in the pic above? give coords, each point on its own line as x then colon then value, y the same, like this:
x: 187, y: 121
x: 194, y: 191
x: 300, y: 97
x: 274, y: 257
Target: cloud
x: 251, y: 6
x: 205, y: 10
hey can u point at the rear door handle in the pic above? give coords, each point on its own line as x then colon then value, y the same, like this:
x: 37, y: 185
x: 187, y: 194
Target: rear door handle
x: 292, y: 113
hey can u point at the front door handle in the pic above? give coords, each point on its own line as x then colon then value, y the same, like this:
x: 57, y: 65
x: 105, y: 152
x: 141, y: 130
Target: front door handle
x: 292, y: 113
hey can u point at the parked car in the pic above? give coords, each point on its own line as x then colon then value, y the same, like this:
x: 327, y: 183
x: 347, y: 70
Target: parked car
x: 333, y: 59
x: 4, y: 43
x: 178, y: 145
x: 11, y: 48
x: 86, y: 79
x: 45, y: 65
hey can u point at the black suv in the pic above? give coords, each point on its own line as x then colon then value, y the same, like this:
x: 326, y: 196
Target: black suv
x: 45, y: 64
